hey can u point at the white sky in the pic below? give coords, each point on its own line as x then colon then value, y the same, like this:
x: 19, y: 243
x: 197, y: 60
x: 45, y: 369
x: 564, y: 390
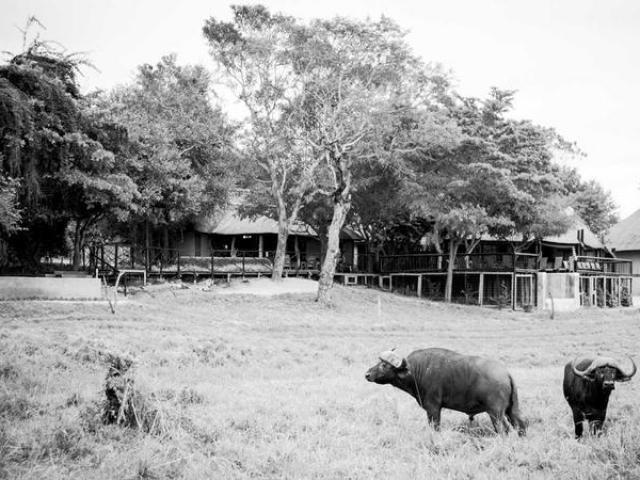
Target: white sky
x: 573, y: 62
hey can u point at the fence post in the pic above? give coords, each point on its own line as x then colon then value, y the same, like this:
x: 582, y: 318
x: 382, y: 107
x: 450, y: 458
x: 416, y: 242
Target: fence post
x: 514, y: 281
x: 212, y: 269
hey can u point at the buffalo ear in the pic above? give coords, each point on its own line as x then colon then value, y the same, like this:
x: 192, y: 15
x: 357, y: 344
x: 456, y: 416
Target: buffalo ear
x: 403, y: 370
x: 403, y: 365
x: 620, y: 377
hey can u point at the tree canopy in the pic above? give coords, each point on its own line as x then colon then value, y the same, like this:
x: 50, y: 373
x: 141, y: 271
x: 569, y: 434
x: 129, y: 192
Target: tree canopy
x: 58, y: 171
x: 257, y: 54
x: 178, y: 145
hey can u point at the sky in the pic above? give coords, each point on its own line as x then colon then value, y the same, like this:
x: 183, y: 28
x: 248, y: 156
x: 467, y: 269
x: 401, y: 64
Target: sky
x: 573, y: 63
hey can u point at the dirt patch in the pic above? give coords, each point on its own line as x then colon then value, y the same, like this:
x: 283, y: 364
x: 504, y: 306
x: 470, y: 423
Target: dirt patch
x: 253, y: 286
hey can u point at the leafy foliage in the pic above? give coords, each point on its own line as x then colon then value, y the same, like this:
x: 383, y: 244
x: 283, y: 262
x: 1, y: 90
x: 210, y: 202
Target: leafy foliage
x: 257, y: 53
x: 365, y: 103
x: 595, y: 206
x: 502, y: 166
x: 59, y: 172
x: 9, y: 213
x: 178, y: 142
x: 497, y: 179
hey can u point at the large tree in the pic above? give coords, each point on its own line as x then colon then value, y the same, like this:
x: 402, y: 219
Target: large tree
x: 58, y: 170
x: 98, y: 185
x: 591, y: 201
x: 179, y: 145
x: 499, y: 180
x: 257, y: 54
x: 365, y: 101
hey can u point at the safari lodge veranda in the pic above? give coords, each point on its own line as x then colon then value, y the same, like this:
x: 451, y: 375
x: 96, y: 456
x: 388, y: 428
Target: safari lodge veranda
x: 564, y: 272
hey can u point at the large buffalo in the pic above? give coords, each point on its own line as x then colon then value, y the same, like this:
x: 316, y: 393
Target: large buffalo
x: 438, y: 378
x: 587, y: 384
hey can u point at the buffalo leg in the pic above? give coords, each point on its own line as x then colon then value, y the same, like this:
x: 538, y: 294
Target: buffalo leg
x: 595, y: 424
x: 433, y: 414
x: 499, y: 423
x: 578, y: 418
x: 516, y: 421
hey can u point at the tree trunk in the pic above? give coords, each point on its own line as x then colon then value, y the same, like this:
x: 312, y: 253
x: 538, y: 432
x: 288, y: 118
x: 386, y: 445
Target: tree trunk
x: 296, y: 249
x: 324, y: 245
x: 340, y: 209
x: 374, y: 259
x: 453, y: 251
x: 285, y: 221
x: 133, y: 232
x: 232, y: 247
x: 281, y: 251
x: 77, y: 245
x: 147, y: 244
x: 166, y: 253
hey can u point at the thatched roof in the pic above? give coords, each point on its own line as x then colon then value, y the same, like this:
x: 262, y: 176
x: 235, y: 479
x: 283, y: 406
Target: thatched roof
x: 578, y: 234
x: 625, y: 235
x: 228, y: 221
x: 572, y: 236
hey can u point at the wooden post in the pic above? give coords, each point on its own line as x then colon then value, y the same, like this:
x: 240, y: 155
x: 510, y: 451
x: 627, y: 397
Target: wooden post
x: 355, y: 261
x: 480, y: 289
x: 296, y: 249
x: 420, y: 286
x: 513, y: 281
x: 147, y: 241
x: 178, y: 264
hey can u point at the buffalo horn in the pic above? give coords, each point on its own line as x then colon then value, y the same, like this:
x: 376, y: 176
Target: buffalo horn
x: 605, y: 362
x: 626, y: 376
x: 391, y: 358
x: 596, y: 363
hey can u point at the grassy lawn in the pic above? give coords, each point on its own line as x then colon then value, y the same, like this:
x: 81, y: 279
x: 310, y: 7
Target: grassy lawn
x: 249, y: 386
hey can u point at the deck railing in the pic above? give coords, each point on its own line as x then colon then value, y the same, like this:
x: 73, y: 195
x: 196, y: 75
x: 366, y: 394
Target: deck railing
x: 598, y: 265
x: 170, y: 260
x: 523, y: 262
x: 473, y: 262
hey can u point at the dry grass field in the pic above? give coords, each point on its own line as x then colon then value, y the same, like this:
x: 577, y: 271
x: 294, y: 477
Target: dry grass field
x: 254, y: 386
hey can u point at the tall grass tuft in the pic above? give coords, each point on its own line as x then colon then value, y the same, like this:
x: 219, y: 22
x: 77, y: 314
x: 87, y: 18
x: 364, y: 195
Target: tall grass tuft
x: 128, y: 406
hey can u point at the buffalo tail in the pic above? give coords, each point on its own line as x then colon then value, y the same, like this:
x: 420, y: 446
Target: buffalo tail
x: 513, y: 411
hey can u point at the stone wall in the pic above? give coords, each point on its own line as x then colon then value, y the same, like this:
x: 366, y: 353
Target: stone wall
x: 50, y: 288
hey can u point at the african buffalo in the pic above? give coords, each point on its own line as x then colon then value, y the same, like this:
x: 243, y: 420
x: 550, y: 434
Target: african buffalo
x: 587, y: 384
x: 438, y: 378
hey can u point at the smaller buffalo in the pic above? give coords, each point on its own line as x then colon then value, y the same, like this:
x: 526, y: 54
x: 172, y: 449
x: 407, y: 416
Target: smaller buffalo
x: 587, y: 385
x: 438, y: 378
